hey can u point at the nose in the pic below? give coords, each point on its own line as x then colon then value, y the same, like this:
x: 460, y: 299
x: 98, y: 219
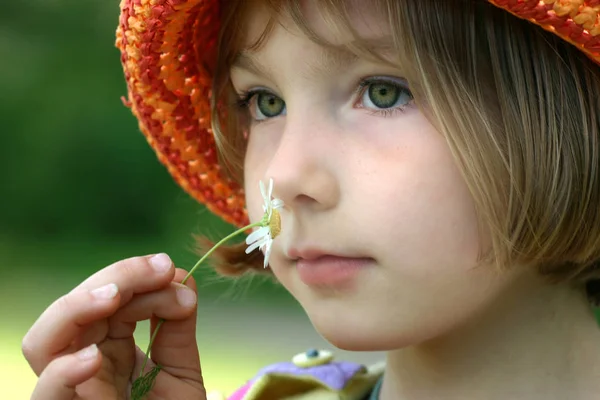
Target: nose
x: 304, y: 167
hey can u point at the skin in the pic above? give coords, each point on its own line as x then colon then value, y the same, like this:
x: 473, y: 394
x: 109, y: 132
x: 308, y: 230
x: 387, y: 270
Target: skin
x: 360, y: 182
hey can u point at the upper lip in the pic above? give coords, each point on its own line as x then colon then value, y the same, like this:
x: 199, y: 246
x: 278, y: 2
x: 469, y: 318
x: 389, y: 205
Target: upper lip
x: 309, y: 253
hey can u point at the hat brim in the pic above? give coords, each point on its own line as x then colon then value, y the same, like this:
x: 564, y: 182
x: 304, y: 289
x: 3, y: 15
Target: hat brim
x: 168, y: 50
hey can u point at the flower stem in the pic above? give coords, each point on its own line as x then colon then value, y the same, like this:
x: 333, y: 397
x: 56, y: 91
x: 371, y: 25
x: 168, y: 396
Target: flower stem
x: 208, y: 253
x: 204, y: 257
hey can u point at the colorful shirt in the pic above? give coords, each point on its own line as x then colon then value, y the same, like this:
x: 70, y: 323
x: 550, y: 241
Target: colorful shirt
x: 312, y: 375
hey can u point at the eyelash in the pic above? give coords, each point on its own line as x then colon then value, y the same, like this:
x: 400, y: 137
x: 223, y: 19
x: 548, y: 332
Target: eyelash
x: 245, y: 96
x: 387, y: 112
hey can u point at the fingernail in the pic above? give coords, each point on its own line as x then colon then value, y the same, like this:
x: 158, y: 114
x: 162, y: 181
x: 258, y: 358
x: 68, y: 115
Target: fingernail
x: 88, y: 353
x: 105, y: 292
x: 161, y: 262
x: 186, y: 297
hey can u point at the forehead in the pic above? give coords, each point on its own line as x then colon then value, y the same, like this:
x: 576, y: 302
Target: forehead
x: 329, y: 24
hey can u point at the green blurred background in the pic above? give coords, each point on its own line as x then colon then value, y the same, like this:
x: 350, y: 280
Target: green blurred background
x: 80, y: 189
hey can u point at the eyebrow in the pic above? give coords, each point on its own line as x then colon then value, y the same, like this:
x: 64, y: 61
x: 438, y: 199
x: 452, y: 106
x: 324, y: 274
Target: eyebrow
x: 248, y: 60
x: 329, y: 61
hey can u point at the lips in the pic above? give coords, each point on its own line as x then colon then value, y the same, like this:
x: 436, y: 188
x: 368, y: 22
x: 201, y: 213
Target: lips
x: 316, y: 268
x: 313, y: 253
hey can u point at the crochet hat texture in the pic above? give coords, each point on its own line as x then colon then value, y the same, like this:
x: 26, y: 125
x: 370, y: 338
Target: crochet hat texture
x: 168, y: 49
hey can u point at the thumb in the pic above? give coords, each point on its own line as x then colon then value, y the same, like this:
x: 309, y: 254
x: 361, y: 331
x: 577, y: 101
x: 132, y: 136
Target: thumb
x: 175, y: 349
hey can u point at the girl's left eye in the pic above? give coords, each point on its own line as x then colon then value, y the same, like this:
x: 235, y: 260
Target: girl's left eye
x: 380, y: 95
x: 261, y: 104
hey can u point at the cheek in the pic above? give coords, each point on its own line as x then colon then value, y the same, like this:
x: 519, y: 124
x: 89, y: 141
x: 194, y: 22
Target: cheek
x: 254, y: 169
x: 443, y: 216
x: 425, y: 211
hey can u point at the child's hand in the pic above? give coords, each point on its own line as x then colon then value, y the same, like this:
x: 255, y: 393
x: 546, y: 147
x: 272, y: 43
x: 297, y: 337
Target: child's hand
x: 147, y: 287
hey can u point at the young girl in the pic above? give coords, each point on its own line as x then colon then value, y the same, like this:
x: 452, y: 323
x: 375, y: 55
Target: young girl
x: 439, y: 165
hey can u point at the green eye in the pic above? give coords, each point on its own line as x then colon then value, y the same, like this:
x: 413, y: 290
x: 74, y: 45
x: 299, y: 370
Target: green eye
x: 383, y: 94
x: 269, y: 105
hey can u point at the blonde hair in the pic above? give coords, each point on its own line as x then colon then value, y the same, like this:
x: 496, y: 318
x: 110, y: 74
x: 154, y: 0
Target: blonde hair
x: 518, y: 106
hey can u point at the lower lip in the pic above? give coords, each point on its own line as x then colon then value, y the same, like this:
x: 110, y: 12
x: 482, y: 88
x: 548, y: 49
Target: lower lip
x: 330, y: 270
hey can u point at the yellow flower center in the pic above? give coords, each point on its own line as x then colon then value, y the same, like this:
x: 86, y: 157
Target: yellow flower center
x: 275, y: 224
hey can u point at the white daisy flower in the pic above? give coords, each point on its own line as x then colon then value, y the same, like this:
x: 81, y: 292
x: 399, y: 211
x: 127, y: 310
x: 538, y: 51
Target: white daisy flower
x: 270, y: 226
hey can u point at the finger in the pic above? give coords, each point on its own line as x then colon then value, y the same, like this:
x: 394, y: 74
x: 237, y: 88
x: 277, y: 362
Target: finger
x: 134, y: 275
x: 174, y: 302
x: 61, y: 377
x: 64, y: 320
x: 176, y: 350
x: 97, y: 331
x: 180, y: 275
x: 165, y: 384
x: 60, y: 324
x: 140, y: 357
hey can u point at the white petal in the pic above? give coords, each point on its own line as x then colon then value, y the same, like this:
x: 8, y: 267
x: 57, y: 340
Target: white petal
x: 277, y: 203
x: 268, y: 254
x: 262, y: 191
x: 270, y: 192
x: 262, y: 231
x: 260, y: 242
x: 256, y: 245
x: 266, y: 242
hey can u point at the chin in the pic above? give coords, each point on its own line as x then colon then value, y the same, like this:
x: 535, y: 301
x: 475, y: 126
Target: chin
x: 360, y: 334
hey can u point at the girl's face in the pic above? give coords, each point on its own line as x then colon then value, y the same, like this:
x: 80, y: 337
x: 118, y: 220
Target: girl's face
x: 364, y: 175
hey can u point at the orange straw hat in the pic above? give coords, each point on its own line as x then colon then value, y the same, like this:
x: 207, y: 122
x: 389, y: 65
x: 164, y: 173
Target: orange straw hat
x: 168, y: 48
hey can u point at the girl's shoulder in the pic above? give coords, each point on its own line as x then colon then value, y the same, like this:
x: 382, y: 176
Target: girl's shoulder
x: 313, y: 375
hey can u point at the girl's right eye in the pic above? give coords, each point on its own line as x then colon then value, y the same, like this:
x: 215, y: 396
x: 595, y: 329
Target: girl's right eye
x: 262, y: 105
